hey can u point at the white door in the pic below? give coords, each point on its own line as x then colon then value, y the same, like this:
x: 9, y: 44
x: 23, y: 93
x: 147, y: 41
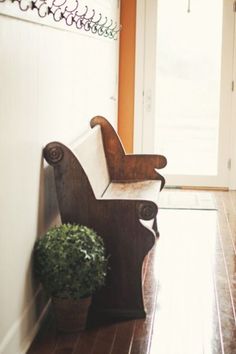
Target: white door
x: 188, y: 89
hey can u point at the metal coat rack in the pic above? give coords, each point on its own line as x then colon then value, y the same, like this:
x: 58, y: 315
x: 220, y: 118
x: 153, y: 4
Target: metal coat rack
x: 70, y: 12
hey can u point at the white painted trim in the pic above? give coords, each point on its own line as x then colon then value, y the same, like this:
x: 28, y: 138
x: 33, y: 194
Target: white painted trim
x: 232, y: 174
x: 226, y: 93
x: 150, y: 52
x: 145, y: 81
x: 12, y: 342
x: 29, y: 339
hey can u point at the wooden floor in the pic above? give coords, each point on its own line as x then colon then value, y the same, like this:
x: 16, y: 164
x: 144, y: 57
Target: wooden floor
x: 190, y: 293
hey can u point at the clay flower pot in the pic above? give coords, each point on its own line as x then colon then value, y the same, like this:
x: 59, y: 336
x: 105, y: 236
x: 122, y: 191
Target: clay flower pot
x: 71, y: 315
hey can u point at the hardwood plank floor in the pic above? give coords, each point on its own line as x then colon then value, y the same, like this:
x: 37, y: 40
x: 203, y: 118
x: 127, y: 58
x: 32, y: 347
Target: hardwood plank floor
x: 189, y: 287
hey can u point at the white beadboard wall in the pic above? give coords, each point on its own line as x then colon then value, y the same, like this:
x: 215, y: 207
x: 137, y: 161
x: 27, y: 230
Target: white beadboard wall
x: 52, y: 82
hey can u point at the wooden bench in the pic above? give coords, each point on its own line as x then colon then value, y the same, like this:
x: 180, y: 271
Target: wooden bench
x: 99, y: 186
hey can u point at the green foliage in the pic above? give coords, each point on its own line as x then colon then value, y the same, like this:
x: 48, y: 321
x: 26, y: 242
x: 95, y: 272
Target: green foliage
x: 70, y: 261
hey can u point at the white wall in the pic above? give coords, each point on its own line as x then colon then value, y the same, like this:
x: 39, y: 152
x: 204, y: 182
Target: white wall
x: 52, y: 82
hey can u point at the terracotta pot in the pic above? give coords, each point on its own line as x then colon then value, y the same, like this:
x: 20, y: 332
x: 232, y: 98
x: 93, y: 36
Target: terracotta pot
x: 71, y: 315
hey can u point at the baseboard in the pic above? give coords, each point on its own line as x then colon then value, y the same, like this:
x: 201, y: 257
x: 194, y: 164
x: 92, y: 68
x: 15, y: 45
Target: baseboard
x: 29, y: 339
x: 198, y: 188
x: 22, y: 333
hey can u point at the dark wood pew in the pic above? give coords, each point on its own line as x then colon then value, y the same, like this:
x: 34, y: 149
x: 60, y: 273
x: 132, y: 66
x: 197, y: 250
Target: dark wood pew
x: 102, y: 187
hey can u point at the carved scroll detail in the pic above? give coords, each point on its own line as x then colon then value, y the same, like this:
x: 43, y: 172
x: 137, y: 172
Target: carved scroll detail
x: 147, y: 210
x: 53, y: 154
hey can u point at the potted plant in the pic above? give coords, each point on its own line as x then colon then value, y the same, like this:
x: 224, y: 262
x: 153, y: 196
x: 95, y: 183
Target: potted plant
x: 71, y: 264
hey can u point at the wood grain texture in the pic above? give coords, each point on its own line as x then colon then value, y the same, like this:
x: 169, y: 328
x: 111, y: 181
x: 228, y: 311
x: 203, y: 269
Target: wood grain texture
x: 189, y: 284
x: 124, y: 167
x: 115, y: 218
x: 225, y: 272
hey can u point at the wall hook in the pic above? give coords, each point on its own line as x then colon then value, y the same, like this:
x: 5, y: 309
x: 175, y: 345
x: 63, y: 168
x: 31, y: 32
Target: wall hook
x: 70, y: 12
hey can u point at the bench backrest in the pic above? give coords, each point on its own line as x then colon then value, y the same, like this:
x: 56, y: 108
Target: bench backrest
x: 90, y: 153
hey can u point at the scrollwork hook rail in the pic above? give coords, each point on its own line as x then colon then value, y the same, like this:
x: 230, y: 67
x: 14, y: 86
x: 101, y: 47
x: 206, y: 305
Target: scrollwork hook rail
x: 68, y: 10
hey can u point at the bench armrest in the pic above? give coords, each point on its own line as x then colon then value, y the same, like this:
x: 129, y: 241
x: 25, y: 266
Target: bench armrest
x: 153, y: 160
x: 123, y: 167
x: 142, y: 167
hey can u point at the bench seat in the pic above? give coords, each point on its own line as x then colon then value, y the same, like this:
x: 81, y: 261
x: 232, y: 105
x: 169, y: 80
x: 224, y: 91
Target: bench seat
x: 141, y: 190
x: 100, y: 186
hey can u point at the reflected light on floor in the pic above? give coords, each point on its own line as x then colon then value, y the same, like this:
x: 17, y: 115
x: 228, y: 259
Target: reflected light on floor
x: 184, y: 272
